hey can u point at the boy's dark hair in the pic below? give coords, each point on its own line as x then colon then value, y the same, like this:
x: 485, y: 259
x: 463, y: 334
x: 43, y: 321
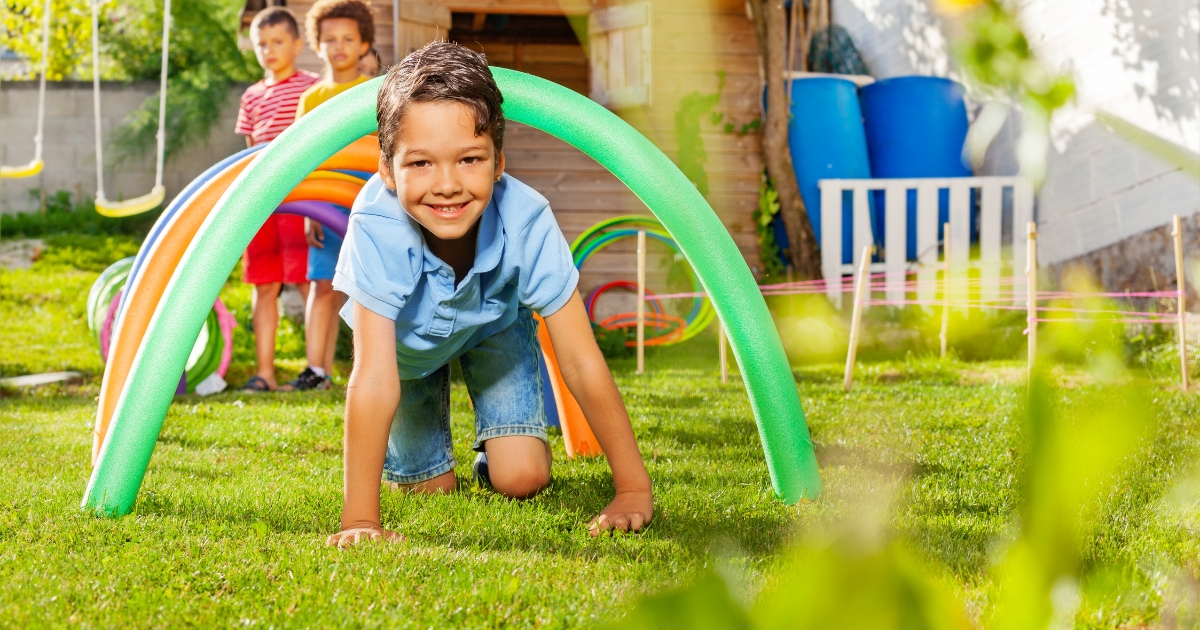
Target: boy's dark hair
x: 274, y: 16
x: 440, y: 71
x: 356, y: 10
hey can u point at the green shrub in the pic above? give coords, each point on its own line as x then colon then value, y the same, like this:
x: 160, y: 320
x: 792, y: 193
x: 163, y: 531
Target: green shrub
x: 65, y: 215
x: 612, y: 342
x: 87, y: 252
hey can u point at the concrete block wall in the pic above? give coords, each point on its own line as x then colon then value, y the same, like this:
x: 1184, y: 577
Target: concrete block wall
x: 69, y: 151
x: 1139, y: 59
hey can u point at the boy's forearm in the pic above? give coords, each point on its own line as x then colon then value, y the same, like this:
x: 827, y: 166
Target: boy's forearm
x: 372, y: 397
x: 370, y: 406
x: 601, y: 403
x: 591, y: 383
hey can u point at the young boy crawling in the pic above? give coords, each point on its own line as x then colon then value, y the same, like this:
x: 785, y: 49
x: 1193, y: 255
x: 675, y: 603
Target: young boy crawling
x: 446, y: 257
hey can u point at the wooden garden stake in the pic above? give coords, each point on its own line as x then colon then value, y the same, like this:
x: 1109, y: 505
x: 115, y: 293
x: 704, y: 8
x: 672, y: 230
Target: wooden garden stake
x: 860, y: 293
x: 1031, y: 304
x: 397, y: 54
x: 944, y: 336
x: 641, y: 302
x: 721, y: 352
x: 1181, y: 289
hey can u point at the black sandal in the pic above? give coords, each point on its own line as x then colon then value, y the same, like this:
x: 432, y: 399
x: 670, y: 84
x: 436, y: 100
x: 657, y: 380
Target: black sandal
x: 256, y: 384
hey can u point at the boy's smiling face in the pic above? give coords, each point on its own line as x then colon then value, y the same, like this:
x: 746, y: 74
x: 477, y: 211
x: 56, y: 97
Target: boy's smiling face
x: 442, y: 172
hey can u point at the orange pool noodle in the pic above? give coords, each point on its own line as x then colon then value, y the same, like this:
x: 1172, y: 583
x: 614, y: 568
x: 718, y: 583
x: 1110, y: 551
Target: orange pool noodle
x: 361, y: 155
x: 577, y: 435
x: 159, y: 265
x: 331, y: 190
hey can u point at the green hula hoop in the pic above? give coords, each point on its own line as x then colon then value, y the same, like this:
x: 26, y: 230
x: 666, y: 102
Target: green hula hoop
x: 596, y: 239
x: 197, y: 280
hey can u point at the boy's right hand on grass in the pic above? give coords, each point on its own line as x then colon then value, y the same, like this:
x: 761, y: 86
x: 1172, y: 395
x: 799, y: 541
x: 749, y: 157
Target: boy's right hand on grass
x: 353, y: 535
x: 628, y: 512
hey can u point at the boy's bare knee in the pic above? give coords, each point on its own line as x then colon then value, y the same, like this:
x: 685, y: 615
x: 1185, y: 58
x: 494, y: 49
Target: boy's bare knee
x: 518, y: 465
x: 520, y: 480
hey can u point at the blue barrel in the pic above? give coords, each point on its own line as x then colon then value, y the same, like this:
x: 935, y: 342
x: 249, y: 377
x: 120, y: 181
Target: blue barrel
x: 915, y: 127
x: 828, y: 141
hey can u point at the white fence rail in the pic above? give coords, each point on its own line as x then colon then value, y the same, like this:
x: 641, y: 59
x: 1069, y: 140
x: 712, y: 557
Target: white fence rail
x: 894, y: 241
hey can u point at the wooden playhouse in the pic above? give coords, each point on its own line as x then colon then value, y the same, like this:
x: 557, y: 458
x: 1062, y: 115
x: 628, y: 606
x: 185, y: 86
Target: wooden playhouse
x: 658, y: 64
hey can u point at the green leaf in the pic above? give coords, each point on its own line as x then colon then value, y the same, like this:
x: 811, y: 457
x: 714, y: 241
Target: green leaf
x: 705, y: 605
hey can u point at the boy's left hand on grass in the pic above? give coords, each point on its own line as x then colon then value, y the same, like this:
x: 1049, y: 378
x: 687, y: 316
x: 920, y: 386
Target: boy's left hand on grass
x: 353, y: 535
x: 628, y: 512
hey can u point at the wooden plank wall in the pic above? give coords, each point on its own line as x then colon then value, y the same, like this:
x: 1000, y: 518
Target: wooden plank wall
x: 692, y: 41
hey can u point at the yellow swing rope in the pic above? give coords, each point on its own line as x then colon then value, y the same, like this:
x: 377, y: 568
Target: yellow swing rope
x: 35, y: 166
x: 155, y: 197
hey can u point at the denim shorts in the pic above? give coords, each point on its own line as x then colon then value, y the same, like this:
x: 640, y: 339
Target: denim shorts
x: 323, y: 260
x: 505, y: 385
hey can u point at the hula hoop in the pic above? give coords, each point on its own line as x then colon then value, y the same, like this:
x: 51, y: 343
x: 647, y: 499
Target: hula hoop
x: 627, y: 218
x: 628, y: 320
x: 589, y: 302
x: 214, y: 343
x: 594, y: 239
x: 107, y: 285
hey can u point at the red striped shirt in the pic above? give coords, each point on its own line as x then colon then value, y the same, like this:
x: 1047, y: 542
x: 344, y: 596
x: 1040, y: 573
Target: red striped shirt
x: 268, y: 109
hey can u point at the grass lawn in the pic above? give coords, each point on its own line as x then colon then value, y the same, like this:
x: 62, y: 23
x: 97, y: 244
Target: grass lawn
x: 243, y: 489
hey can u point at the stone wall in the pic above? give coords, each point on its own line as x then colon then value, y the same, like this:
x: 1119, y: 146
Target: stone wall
x: 1142, y: 262
x: 69, y: 153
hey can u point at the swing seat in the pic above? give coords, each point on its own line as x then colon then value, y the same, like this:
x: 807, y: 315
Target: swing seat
x: 18, y: 172
x: 130, y: 207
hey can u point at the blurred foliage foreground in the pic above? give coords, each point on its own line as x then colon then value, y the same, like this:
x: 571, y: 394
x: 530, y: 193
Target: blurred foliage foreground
x: 1080, y: 445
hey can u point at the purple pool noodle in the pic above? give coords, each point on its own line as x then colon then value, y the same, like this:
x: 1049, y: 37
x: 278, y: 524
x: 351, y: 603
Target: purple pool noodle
x: 322, y: 212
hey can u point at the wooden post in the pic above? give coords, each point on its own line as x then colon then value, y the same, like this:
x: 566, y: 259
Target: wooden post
x: 721, y: 352
x: 1031, y: 304
x: 641, y: 302
x: 397, y: 55
x: 860, y: 293
x: 1181, y: 290
x: 944, y: 335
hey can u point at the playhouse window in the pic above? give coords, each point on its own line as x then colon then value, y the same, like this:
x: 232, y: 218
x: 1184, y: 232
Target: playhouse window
x: 619, y: 38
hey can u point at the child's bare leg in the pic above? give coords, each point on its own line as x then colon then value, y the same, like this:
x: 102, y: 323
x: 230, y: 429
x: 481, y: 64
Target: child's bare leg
x: 445, y: 482
x: 319, y: 311
x: 335, y: 325
x: 266, y: 323
x: 518, y: 465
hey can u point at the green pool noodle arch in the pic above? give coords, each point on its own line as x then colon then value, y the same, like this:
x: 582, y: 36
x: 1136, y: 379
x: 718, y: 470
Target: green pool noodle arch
x: 224, y: 235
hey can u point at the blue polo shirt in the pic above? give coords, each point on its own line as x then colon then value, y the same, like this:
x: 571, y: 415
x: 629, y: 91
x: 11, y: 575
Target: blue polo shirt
x: 521, y: 259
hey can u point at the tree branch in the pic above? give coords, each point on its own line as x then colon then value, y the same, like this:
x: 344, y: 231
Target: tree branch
x: 770, y: 25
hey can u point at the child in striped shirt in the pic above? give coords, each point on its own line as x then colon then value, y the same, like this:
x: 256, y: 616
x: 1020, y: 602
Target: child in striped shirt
x: 278, y: 254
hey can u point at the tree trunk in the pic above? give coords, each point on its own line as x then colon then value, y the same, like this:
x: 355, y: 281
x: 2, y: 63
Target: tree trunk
x: 770, y: 24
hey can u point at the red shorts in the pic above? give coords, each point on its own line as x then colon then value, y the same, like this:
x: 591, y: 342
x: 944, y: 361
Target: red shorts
x: 278, y: 253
